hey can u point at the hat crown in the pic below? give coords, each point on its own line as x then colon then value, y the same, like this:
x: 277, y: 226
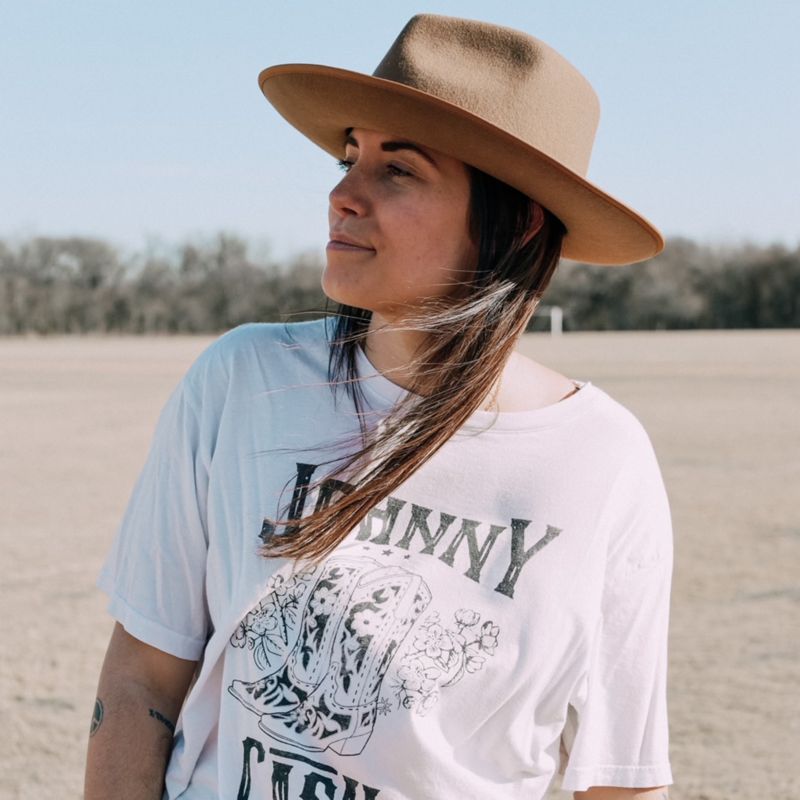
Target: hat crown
x: 505, y: 76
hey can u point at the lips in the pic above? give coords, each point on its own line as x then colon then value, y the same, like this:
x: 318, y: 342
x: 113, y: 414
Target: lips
x: 348, y: 240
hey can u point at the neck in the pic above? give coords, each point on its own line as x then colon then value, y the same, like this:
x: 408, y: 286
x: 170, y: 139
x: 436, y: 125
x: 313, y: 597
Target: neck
x: 391, y: 350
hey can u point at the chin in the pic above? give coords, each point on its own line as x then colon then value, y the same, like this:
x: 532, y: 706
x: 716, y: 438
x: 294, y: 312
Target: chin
x: 348, y: 284
x: 348, y: 289
x: 340, y: 292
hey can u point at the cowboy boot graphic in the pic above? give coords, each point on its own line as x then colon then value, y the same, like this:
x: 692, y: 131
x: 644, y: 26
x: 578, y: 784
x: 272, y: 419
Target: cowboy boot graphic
x: 307, y: 663
x: 340, y: 713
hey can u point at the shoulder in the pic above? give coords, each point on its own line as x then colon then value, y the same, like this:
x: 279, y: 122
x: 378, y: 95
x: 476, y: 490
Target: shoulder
x: 623, y: 426
x: 629, y: 447
x: 253, y: 356
x: 265, y: 343
x: 610, y: 441
x: 257, y: 337
x: 637, y: 510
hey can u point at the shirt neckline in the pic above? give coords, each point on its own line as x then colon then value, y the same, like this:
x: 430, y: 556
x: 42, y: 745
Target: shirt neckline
x: 382, y: 394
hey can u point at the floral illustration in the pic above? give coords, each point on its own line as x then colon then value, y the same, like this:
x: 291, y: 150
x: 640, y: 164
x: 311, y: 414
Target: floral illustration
x: 440, y: 657
x: 266, y: 630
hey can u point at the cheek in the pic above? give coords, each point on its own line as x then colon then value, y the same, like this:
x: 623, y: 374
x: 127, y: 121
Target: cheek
x: 437, y: 222
x: 438, y: 249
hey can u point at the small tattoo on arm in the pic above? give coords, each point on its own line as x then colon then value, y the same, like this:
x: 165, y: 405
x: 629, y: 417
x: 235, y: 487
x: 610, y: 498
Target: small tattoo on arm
x: 161, y: 718
x: 97, y: 716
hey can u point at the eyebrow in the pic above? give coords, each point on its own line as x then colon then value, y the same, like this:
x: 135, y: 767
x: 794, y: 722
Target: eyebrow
x: 392, y: 147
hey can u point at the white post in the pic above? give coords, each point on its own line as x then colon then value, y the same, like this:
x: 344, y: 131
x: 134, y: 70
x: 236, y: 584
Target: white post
x: 556, y: 321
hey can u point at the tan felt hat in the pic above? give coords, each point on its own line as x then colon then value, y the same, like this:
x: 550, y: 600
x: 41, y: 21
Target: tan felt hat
x: 491, y: 96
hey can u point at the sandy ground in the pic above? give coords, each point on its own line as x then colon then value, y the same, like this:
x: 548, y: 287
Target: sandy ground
x: 76, y: 416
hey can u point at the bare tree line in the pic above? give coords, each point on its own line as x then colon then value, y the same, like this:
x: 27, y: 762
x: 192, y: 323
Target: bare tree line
x: 79, y: 285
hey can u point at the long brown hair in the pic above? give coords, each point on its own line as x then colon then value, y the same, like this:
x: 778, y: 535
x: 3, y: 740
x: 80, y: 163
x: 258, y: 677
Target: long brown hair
x: 468, y: 340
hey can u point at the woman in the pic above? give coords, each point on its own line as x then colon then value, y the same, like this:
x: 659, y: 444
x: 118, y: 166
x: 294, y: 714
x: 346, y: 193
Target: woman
x: 397, y: 559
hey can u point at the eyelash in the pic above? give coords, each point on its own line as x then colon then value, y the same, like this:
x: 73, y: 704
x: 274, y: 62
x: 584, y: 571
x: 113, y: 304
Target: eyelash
x: 345, y: 165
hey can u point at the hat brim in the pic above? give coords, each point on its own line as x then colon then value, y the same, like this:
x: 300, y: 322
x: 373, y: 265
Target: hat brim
x: 322, y: 102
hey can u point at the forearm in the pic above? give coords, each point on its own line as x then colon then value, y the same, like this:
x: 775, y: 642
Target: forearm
x: 616, y: 793
x: 130, y: 742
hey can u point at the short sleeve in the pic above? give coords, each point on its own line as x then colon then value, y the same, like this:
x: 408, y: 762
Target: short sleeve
x: 154, y: 574
x: 617, y: 729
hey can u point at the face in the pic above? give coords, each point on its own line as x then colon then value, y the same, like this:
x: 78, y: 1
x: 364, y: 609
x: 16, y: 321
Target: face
x: 399, y: 226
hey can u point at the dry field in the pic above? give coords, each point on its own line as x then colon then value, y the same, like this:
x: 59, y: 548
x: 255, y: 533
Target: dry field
x: 76, y: 415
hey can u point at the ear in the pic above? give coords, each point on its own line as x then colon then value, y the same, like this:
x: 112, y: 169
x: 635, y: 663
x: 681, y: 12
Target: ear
x: 537, y: 220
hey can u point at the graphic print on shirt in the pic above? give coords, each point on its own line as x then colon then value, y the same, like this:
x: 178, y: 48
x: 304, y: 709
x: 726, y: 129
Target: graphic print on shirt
x: 440, y: 657
x: 413, y: 526
x: 326, y: 637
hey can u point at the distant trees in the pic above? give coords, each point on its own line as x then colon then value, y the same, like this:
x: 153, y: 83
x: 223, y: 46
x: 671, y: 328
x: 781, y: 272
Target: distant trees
x: 686, y: 286
x: 63, y: 285
x: 79, y: 285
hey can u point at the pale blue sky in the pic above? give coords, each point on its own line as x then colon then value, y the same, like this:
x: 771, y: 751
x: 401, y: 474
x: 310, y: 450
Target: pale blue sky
x: 142, y: 121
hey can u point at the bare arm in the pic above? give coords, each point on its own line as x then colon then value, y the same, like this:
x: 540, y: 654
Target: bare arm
x: 617, y: 793
x: 139, y: 695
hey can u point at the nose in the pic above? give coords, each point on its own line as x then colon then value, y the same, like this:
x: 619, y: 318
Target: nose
x: 348, y: 196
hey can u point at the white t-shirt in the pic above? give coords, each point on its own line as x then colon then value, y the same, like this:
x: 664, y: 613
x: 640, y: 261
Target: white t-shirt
x: 499, y: 618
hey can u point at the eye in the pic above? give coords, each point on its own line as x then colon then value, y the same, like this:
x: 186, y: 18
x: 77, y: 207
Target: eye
x: 395, y: 170
x: 344, y: 165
